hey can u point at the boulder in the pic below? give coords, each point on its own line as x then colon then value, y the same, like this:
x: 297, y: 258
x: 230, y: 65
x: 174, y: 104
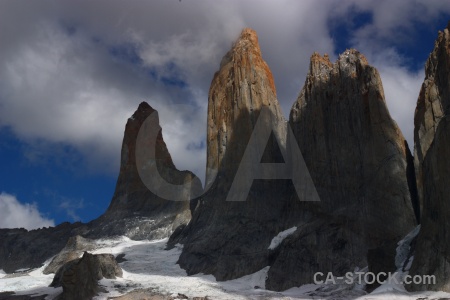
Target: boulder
x: 79, y: 278
x: 74, y: 248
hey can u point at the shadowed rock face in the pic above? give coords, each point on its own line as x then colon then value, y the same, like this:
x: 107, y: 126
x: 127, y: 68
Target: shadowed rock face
x: 356, y: 155
x: 133, y: 204
x: 433, y: 103
x: 432, y: 140
x: 79, y: 278
x: 134, y: 210
x: 242, y: 86
x: 225, y: 238
x: 132, y: 196
x: 355, y: 152
x: 20, y: 248
x: 75, y: 247
x: 358, y: 160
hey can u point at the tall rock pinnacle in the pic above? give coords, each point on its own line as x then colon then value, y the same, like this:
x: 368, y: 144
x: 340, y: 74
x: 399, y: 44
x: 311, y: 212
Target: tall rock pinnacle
x: 354, y: 150
x: 133, y: 202
x: 230, y: 239
x: 242, y: 86
x: 432, y: 149
x: 433, y: 102
x: 362, y: 170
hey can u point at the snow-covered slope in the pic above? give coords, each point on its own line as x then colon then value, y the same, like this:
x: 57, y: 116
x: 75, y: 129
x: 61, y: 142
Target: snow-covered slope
x: 148, y: 266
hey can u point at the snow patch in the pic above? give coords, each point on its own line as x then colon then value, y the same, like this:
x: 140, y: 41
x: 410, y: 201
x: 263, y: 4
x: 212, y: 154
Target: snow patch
x: 276, y: 241
x: 2, y: 273
x: 404, y: 247
x: 21, y: 270
x: 148, y: 265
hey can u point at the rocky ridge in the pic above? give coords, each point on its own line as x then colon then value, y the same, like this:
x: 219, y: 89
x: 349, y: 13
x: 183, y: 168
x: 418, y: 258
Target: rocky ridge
x: 361, y: 167
x: 225, y: 238
x: 432, y: 147
x: 133, y: 205
x: 350, y: 227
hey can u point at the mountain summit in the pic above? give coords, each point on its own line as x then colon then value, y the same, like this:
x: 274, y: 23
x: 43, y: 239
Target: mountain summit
x: 432, y: 149
x: 226, y: 238
x: 361, y: 168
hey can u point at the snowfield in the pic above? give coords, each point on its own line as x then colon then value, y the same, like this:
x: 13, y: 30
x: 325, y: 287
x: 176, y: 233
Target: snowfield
x: 149, y: 266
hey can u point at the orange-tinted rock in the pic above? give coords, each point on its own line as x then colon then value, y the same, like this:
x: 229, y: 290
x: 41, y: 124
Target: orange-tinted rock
x: 225, y: 238
x: 432, y: 149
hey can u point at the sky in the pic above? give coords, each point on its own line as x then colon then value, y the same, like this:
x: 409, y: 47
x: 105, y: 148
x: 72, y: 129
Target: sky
x: 73, y: 72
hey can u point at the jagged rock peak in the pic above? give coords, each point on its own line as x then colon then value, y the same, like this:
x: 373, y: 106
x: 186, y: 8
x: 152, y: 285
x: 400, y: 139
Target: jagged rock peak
x: 433, y: 101
x: 248, y: 38
x: 353, y: 54
x: 321, y: 65
x: 318, y: 63
x: 132, y: 196
x: 246, y: 52
x: 241, y: 89
x: 430, y: 104
x: 143, y: 108
x: 361, y: 168
x: 431, y: 147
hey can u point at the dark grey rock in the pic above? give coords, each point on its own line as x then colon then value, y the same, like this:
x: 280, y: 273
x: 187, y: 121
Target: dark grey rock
x: 79, y: 278
x: 432, y: 248
x: 20, y: 248
x: 432, y: 147
x: 134, y: 211
x: 229, y: 239
x: 74, y: 248
x: 358, y: 160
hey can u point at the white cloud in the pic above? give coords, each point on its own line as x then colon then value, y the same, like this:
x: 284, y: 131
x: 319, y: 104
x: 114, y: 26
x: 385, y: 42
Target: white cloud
x: 401, y: 88
x: 59, y: 83
x: 14, y: 214
x: 66, y: 88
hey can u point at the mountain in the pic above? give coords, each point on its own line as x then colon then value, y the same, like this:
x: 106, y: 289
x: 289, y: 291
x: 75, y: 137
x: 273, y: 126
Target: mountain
x: 432, y: 146
x: 135, y: 211
x: 333, y: 189
x: 355, y: 154
x: 237, y: 217
x: 361, y: 167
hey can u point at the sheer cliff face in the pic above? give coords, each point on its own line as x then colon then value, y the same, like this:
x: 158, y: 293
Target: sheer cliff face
x: 242, y: 86
x: 361, y: 168
x: 132, y: 199
x: 432, y: 149
x: 225, y: 238
x: 355, y: 152
x: 432, y: 104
